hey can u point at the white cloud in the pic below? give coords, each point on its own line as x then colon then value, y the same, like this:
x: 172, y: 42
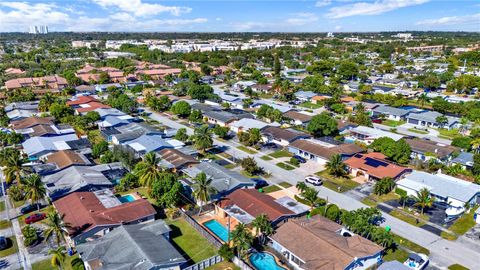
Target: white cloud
x: 302, y: 19
x: 373, y: 8
x: 20, y: 15
x: 338, y: 27
x: 323, y: 3
x: 452, y: 20
x: 138, y: 8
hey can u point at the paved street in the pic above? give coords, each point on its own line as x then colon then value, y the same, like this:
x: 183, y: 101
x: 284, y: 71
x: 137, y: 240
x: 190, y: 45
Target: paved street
x: 442, y: 252
x: 403, y: 130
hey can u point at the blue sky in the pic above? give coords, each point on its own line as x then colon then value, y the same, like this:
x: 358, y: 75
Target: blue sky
x: 241, y: 15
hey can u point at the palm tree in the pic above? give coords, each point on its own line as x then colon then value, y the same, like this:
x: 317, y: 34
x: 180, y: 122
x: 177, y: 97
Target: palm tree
x: 301, y: 186
x: 202, y: 138
x: 58, y: 257
x: 335, y: 166
x: 148, y: 170
x: 13, y: 168
x: 424, y: 199
x: 311, y: 196
x: 422, y: 99
x: 34, y: 188
x: 202, y: 189
x: 262, y: 226
x: 45, y: 102
x: 55, y: 226
x: 242, y: 238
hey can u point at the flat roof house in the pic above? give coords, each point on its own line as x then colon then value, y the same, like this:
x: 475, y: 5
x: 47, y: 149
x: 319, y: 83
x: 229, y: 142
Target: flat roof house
x: 317, y: 243
x: 148, y: 143
x: 304, y: 96
x: 321, y: 152
x: 426, y: 119
x: 367, y: 134
x: 374, y: 166
x: 282, y: 136
x: 93, y: 214
x: 37, y: 147
x: 143, y: 246
x: 443, y: 187
x: 425, y: 150
x: 245, y: 124
x: 464, y: 159
x: 391, y: 113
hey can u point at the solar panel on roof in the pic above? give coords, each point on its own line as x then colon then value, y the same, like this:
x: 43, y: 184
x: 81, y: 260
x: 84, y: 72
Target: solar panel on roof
x: 375, y: 163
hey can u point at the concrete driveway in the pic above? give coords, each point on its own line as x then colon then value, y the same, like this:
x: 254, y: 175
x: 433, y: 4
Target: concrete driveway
x: 309, y: 168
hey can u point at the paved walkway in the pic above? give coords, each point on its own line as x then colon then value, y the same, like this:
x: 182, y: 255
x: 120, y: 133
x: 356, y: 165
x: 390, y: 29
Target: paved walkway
x: 442, y: 252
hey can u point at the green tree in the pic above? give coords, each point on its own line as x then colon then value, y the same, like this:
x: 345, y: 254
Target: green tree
x: 30, y: 235
x: 424, y: 200
x: 202, y: 189
x: 361, y: 116
x: 221, y: 132
x: 226, y: 252
x: 322, y: 125
x: 148, y: 169
x: 335, y: 166
x: 45, y: 102
x: 181, y: 108
x: 347, y: 70
x: 384, y: 186
x: 202, y: 138
x: 397, y: 151
x: 160, y: 104
x: 277, y: 67
x: 13, y: 169
x: 241, y: 238
x: 34, y: 189
x: 58, y: 257
x: 181, y: 135
x: 99, y: 148
x: 167, y: 190
x: 301, y: 186
x: 195, y: 116
x: 441, y: 121
x: 422, y: 99
x: 250, y: 166
x: 311, y: 196
x: 55, y: 226
x: 263, y: 227
x: 60, y: 111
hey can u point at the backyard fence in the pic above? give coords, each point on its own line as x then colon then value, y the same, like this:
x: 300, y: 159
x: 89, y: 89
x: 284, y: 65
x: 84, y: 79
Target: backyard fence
x: 212, y: 239
x: 205, y: 263
x: 240, y: 263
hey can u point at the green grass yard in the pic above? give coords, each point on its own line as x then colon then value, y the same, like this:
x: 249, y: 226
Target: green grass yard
x: 448, y: 134
x: 457, y: 267
x: 4, y: 224
x: 46, y: 265
x: 393, y: 123
x: 2, y: 206
x: 338, y: 184
x: 266, y: 158
x: 285, y: 184
x: 280, y: 154
x: 464, y: 223
x: 310, y: 105
x: 414, y: 130
x: 285, y: 166
x: 271, y: 188
x: 247, y: 150
x: 12, y: 247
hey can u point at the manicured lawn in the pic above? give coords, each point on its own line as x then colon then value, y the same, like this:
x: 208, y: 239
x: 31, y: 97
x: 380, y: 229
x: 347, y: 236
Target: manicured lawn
x: 386, y: 197
x: 368, y: 201
x: 17, y: 204
x: 190, y: 241
x: 266, y: 157
x: 448, y: 236
x: 225, y: 155
x: 231, y: 166
x: 46, y: 264
x: 396, y: 255
x: 281, y: 153
x: 285, y: 166
x: 417, y: 131
x: 5, y: 224
x: 393, y: 123
x: 271, y: 188
x: 448, y: 133
x: 223, y: 266
x: 12, y: 247
x: 338, y: 184
x: 310, y: 105
x: 410, y: 245
x: 464, y: 223
x: 407, y: 218
x: 2, y: 206
x: 457, y: 267
x: 285, y: 184
x: 247, y: 150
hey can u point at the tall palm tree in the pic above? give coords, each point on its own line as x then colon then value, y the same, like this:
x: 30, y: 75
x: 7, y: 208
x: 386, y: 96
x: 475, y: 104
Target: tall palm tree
x: 242, y: 238
x: 148, y: 170
x: 34, y: 188
x: 422, y: 99
x: 45, y: 102
x: 13, y: 168
x: 335, y: 166
x: 262, y: 226
x: 301, y: 186
x: 55, y: 226
x: 58, y: 257
x: 424, y: 199
x: 202, y: 189
x: 202, y: 138
x: 311, y: 196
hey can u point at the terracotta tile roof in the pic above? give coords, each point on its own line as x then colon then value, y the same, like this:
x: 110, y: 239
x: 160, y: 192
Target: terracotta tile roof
x: 31, y: 121
x: 346, y: 149
x: 81, y: 100
x: 66, y: 158
x: 51, y: 82
x: 317, y: 242
x: 14, y: 71
x: 294, y: 115
x: 86, y: 104
x: 255, y: 203
x: 376, y: 165
x: 176, y: 158
x: 83, y: 211
x: 320, y: 97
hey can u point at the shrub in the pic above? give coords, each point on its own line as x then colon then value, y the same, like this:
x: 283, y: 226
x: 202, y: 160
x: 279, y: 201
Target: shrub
x: 30, y: 236
x: 16, y: 193
x: 294, y: 161
x: 401, y: 192
x: 226, y: 252
x: 77, y: 264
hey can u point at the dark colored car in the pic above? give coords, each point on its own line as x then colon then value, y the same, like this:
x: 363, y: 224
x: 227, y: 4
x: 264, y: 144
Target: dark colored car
x: 259, y: 183
x: 270, y: 145
x: 34, y: 218
x: 300, y: 159
x: 3, y: 243
x: 378, y: 121
x: 30, y: 208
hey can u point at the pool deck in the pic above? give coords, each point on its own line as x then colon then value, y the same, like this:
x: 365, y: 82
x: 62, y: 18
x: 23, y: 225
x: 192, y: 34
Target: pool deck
x: 277, y: 260
x: 205, y: 217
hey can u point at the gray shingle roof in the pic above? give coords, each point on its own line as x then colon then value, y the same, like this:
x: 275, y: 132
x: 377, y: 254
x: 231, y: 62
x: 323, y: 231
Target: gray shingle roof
x: 430, y: 116
x: 37, y: 145
x: 383, y: 109
x: 147, y: 143
x: 464, y: 158
x: 139, y: 247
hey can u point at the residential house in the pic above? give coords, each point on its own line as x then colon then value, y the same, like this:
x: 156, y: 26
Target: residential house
x: 262, y: 88
x: 464, y: 159
x: 75, y: 179
x: 148, y: 143
x: 245, y: 124
x: 316, y: 243
x: 84, y: 104
x: 225, y: 118
x: 37, y: 147
x: 367, y: 135
x: 21, y: 110
x: 53, y: 83
x: 224, y: 181
x: 175, y: 159
x: 322, y: 152
x: 103, y: 87
x: 425, y: 150
x: 442, y: 187
x: 110, y: 117
x: 304, y: 96
x: 41, y: 128
x: 86, y: 90
x: 390, y: 113
x: 377, y: 89
x: 124, y: 133
x: 298, y: 118
x: 428, y: 119
x: 281, y: 136
x: 144, y: 246
x: 318, y: 99
x: 93, y: 214
x: 282, y: 108
x: 374, y: 166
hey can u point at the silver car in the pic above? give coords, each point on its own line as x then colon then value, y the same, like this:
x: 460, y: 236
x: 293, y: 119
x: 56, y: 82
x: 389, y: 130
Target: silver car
x: 313, y: 180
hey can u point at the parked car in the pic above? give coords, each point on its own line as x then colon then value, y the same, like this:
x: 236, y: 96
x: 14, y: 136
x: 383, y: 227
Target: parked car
x: 300, y: 159
x: 377, y: 121
x: 259, y: 182
x: 313, y: 180
x: 30, y: 208
x: 3, y: 242
x: 35, y: 217
x: 270, y: 145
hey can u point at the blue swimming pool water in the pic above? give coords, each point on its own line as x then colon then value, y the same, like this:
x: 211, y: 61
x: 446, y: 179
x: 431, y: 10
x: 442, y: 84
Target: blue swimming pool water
x: 264, y: 261
x: 217, y: 228
x: 126, y: 198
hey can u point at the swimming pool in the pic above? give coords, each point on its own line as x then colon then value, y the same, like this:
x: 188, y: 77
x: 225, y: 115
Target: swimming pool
x: 218, y: 229
x: 126, y: 198
x: 264, y: 261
